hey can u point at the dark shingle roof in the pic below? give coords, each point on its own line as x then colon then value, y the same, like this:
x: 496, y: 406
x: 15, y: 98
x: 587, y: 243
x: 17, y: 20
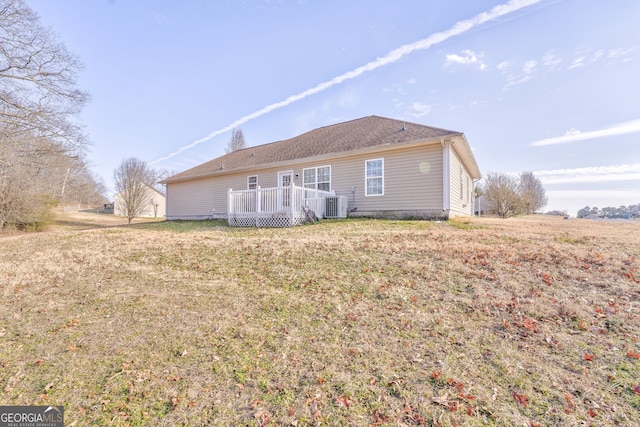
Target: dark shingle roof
x: 344, y: 137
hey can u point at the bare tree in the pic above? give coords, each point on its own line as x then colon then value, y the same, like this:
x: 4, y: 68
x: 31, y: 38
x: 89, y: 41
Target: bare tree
x: 236, y: 142
x: 24, y: 201
x: 532, y: 193
x: 38, y: 93
x: 501, y: 194
x: 39, y: 104
x: 134, y: 180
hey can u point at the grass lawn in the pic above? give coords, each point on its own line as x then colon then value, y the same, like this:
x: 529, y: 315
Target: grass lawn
x: 530, y: 321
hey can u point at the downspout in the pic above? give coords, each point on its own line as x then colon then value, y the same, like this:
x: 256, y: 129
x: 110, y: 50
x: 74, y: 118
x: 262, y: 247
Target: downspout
x: 166, y: 201
x: 446, y: 177
x: 476, y: 199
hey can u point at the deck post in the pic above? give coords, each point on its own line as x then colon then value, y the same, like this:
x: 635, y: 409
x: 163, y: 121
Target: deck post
x: 258, y: 200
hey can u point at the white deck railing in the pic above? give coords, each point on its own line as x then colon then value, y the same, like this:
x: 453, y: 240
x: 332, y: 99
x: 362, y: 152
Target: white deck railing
x: 274, y: 207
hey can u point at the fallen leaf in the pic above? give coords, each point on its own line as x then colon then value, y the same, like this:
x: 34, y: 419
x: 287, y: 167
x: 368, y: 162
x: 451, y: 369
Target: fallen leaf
x: 441, y: 400
x: 588, y: 357
x: 632, y: 354
x: 379, y: 418
x: 520, y: 398
x: 570, y: 406
x: 343, y: 401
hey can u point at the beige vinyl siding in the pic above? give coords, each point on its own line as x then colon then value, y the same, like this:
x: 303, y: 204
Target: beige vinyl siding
x: 202, y: 198
x: 412, y: 182
x: 412, y: 178
x: 461, y: 193
x: 207, y: 197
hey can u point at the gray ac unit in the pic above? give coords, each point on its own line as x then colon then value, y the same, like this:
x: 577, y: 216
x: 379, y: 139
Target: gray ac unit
x: 336, y: 207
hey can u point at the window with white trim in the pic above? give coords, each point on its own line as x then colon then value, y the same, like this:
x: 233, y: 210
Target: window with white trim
x: 374, y: 177
x: 252, y: 182
x: 317, y: 178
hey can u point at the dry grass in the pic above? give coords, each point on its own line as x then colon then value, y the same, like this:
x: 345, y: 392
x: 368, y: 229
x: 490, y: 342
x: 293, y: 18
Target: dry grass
x: 527, y: 321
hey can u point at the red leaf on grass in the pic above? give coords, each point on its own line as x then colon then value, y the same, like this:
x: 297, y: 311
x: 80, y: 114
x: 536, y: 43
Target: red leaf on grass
x: 637, y: 389
x: 570, y: 405
x: 632, y: 354
x: 343, y: 400
x: 520, y: 398
x: 588, y: 357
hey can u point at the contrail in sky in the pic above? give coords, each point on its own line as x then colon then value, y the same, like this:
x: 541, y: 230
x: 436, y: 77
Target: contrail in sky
x: 575, y: 135
x: 391, y: 57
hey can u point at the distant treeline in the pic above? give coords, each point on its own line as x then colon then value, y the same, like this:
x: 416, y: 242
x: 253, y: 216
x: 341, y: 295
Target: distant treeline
x: 632, y: 211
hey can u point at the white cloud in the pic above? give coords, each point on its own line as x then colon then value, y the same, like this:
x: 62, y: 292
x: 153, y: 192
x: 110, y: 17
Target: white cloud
x: 528, y: 70
x: 589, y: 59
x: 623, y: 52
x: 411, y: 81
x: 458, y: 28
x: 504, y: 65
x: 591, y: 174
x: 529, y: 66
x: 469, y: 58
x: 574, y: 135
x: 419, y: 109
x: 576, y: 63
x: 551, y: 60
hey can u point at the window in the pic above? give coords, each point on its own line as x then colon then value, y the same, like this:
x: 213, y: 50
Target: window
x: 374, y: 177
x: 317, y: 178
x: 252, y: 182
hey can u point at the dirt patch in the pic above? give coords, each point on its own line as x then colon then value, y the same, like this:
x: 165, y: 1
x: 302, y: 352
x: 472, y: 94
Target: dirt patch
x: 87, y: 220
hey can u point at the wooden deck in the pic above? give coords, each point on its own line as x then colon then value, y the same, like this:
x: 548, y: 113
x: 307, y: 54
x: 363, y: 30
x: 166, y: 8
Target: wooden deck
x: 274, y: 207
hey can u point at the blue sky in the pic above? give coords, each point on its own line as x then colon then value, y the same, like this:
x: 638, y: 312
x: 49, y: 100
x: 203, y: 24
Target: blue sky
x: 549, y: 86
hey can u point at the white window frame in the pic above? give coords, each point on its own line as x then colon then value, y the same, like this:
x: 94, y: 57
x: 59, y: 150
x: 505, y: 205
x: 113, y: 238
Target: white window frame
x: 367, y: 178
x: 315, y: 184
x: 249, y: 182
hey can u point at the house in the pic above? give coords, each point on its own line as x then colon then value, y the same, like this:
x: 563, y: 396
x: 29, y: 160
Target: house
x: 372, y: 166
x: 154, y: 204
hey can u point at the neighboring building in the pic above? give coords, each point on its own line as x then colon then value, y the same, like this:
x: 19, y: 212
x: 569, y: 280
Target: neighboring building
x: 155, y: 207
x: 480, y: 206
x: 384, y: 168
